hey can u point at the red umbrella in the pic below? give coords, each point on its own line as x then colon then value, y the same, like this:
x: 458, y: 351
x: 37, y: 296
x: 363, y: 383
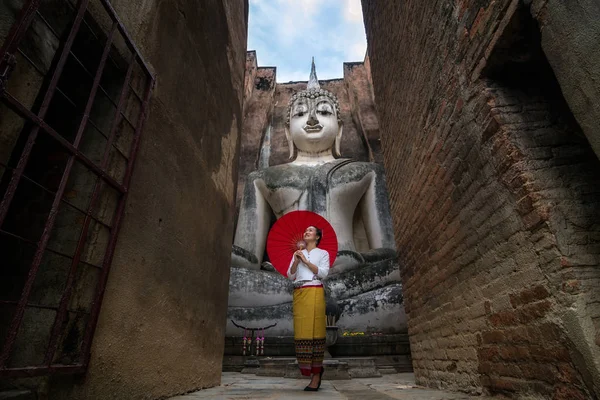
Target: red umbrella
x: 288, y: 232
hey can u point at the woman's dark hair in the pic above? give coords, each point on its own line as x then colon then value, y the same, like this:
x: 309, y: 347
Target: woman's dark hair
x: 319, y: 234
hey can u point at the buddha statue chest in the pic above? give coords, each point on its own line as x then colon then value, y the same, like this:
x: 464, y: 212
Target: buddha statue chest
x: 332, y: 190
x: 321, y: 189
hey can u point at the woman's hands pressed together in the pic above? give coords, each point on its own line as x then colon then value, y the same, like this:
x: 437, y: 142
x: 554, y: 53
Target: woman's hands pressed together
x: 300, y: 256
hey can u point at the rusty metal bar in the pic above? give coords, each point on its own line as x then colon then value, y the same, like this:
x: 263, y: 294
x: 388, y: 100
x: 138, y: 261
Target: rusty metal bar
x: 16, y: 106
x: 53, y: 193
x: 116, y: 224
x: 41, y: 114
x: 135, y: 94
x: 40, y: 306
x: 125, y: 118
x: 14, y: 181
x: 56, y: 369
x: 95, y: 36
x: 113, y: 14
x: 91, y: 121
x: 30, y: 61
x: 33, y: 244
x: 40, y: 16
x: 97, y: 189
x: 88, y: 73
x: 118, y: 114
x: 14, y: 37
x: 64, y: 302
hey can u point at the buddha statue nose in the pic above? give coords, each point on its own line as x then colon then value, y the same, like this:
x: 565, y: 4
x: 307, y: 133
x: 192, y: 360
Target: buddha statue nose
x: 312, y: 119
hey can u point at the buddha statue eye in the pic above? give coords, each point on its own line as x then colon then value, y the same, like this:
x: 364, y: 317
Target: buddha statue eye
x: 300, y: 110
x: 324, y: 108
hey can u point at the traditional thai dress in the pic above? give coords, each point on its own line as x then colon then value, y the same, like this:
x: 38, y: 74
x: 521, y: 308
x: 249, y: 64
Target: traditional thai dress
x: 309, y: 311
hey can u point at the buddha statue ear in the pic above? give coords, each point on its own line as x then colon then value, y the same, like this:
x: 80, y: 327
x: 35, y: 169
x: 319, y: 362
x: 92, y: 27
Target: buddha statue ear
x: 338, y: 141
x: 288, y: 136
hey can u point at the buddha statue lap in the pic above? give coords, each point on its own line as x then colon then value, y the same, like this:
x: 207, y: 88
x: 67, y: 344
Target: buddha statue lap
x: 365, y: 284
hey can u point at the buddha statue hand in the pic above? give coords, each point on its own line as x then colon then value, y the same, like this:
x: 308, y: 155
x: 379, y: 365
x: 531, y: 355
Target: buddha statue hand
x: 243, y: 258
x: 267, y: 266
x: 380, y: 254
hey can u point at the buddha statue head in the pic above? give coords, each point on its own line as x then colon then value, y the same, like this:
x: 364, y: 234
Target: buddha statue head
x: 313, y: 124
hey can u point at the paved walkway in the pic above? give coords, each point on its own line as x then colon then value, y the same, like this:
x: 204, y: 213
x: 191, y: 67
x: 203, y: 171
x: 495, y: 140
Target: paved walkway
x: 398, y: 386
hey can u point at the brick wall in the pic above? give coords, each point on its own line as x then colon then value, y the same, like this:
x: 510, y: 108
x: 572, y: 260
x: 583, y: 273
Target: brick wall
x: 495, y: 193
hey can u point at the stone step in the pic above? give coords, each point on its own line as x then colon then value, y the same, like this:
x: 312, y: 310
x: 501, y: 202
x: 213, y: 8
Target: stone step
x: 387, y: 370
x: 345, y: 368
x: 385, y: 345
x: 274, y: 366
x: 334, y: 370
x: 361, y: 367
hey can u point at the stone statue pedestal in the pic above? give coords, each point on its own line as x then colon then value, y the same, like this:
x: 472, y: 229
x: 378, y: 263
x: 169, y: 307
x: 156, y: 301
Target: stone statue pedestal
x: 334, y: 370
x: 330, y: 339
x: 251, y: 365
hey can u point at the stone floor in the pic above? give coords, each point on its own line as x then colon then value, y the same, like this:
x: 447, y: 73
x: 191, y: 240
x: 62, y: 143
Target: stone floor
x: 397, y: 386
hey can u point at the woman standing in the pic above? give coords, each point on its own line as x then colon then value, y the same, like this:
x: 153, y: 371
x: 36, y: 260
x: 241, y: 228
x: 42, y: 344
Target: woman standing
x: 309, y: 265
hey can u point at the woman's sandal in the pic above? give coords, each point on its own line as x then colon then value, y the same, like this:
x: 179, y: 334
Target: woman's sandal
x: 320, y: 377
x: 310, y: 389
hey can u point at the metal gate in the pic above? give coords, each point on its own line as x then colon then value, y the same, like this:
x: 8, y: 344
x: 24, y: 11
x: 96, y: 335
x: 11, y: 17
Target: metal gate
x: 19, y: 308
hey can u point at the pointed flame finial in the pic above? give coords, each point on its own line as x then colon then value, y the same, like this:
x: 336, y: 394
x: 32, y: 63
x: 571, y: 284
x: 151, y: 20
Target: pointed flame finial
x: 313, y: 82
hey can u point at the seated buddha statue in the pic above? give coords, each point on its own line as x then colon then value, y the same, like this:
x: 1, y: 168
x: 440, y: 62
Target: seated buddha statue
x: 345, y: 192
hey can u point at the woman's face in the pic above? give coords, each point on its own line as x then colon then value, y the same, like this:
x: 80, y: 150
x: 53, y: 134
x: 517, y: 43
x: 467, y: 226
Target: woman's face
x: 310, y: 234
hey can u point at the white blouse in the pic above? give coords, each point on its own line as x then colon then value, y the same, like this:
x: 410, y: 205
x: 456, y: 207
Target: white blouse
x: 316, y: 256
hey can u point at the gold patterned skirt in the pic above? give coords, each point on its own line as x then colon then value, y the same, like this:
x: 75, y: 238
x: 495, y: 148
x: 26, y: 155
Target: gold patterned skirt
x: 309, y: 328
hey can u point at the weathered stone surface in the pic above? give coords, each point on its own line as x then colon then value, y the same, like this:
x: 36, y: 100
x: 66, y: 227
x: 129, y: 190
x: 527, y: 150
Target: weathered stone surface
x: 379, y: 310
x: 252, y: 387
x: 249, y: 288
x: 334, y: 370
x: 255, y: 317
x: 494, y: 189
x: 363, y: 279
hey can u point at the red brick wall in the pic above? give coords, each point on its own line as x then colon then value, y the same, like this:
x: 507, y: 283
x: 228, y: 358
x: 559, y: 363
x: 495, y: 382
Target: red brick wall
x: 259, y: 91
x: 495, y: 194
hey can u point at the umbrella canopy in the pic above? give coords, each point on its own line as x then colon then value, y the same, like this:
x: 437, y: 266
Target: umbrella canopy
x: 288, y: 232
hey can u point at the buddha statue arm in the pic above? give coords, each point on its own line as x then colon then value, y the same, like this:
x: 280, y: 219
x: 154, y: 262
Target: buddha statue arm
x: 252, y: 227
x: 376, y: 214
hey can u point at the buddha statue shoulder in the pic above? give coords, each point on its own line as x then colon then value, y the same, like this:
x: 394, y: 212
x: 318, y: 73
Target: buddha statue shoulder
x: 347, y: 193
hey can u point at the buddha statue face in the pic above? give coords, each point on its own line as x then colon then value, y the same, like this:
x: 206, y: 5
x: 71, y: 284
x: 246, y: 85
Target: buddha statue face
x: 313, y: 124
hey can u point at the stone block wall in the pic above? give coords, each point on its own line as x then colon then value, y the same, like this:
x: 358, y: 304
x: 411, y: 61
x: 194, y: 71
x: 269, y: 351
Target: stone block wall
x: 495, y: 193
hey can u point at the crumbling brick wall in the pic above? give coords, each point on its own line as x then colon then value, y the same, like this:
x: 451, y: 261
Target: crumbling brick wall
x: 495, y: 193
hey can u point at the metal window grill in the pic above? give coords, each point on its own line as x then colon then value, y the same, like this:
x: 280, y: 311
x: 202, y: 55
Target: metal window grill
x: 77, y: 116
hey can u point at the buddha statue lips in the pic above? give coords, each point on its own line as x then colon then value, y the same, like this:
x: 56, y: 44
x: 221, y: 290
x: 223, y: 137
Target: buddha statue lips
x: 313, y: 128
